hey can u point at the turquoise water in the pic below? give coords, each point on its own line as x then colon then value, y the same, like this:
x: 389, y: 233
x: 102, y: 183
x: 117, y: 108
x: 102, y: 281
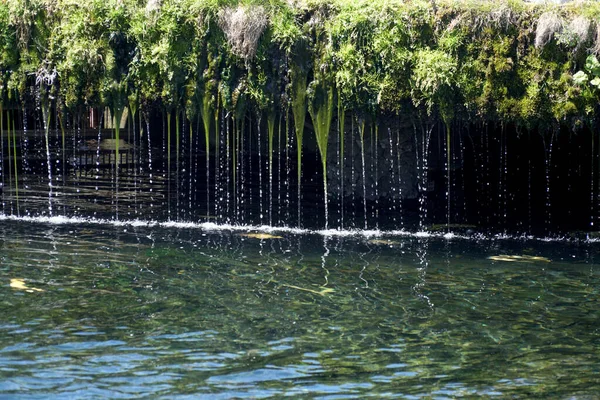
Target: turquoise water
x: 202, y: 311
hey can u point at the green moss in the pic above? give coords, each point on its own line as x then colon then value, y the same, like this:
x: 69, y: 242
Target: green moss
x: 463, y: 59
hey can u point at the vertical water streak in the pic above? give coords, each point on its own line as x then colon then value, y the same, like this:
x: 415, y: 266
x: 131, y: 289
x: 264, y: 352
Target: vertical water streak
x: 342, y: 159
x: 168, y: 177
x: 461, y: 146
x: 130, y: 129
x: 448, y: 167
x: 250, y: 175
x: 15, y: 158
x: 9, y: 147
x: 2, y: 155
x: 399, y: 176
x: 217, y: 155
x: 25, y: 151
x: 504, y: 177
x: 288, y: 168
x: 63, y: 153
x: 191, y: 184
x: 548, y: 165
x: 280, y: 221
x: 97, y: 176
x: 242, y: 172
x: 375, y: 160
x: 46, y: 121
x: 423, y: 168
x: 352, y: 175
x: 234, y: 167
x: 260, y: 186
x: 271, y: 133
x: 592, y: 181
x: 196, y: 165
x: 598, y: 184
x: 393, y: 187
x: 150, y: 171
x: 229, y: 141
x: 529, y: 205
x: 487, y: 170
x: 361, y: 129
x: 177, y: 165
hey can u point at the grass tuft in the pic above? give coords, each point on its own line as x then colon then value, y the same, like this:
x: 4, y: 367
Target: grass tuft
x: 243, y: 26
x: 548, y: 26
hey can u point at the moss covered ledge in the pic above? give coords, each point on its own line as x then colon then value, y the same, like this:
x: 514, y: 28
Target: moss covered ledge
x: 493, y: 61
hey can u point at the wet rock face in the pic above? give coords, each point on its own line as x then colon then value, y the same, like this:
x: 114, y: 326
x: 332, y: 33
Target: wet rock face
x: 390, y: 170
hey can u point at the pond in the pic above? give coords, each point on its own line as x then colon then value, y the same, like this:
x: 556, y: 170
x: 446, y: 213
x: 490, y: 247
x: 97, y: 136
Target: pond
x: 108, y: 309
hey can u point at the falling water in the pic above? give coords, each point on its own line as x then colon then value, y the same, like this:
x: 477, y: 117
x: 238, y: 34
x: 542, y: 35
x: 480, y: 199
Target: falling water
x: 150, y: 172
x: 592, y: 182
x: 504, y: 175
x: 548, y: 165
x: 190, y: 171
x: 393, y: 187
x: 178, y: 170
x: 448, y: 167
x: 352, y: 176
x: 217, y: 156
x: 260, y: 185
x: 362, y: 160
x: 10, y: 174
x: 2, y: 156
x: 280, y: 221
x: 375, y: 160
x: 423, y: 169
x: 461, y: 147
x: 46, y: 121
x: 399, y: 177
x: 227, y: 167
x: 242, y: 175
x: 271, y: 127
x: 25, y: 151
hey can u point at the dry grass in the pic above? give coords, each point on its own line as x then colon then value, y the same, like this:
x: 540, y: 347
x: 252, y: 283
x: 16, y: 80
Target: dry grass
x: 581, y: 28
x: 243, y: 27
x: 499, y: 18
x: 153, y: 5
x: 596, y: 48
x: 548, y: 25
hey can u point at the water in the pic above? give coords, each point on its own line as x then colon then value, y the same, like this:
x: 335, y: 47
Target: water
x: 202, y: 311
x: 139, y: 279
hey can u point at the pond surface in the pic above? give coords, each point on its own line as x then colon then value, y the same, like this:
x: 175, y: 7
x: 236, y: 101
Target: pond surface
x: 111, y: 310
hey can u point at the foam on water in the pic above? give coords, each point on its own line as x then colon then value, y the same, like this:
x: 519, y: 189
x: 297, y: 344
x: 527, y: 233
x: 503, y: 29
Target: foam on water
x: 215, y: 227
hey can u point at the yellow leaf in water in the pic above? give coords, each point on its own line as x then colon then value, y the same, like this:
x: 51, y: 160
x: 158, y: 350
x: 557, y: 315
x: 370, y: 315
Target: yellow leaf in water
x: 254, y: 235
x: 321, y: 292
x: 19, y: 284
x: 521, y: 259
x: 382, y: 242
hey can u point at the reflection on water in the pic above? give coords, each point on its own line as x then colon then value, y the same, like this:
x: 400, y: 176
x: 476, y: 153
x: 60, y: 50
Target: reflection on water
x: 128, y: 311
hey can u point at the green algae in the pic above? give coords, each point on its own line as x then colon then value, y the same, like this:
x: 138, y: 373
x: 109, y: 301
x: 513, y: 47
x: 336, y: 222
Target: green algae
x: 320, y: 108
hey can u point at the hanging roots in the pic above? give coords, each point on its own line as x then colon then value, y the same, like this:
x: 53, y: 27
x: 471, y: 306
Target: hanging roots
x: 153, y: 5
x: 580, y: 27
x: 501, y: 18
x: 548, y: 25
x: 243, y: 27
x: 596, y: 48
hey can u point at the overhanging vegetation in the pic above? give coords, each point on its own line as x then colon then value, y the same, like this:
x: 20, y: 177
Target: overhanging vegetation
x: 508, y: 61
